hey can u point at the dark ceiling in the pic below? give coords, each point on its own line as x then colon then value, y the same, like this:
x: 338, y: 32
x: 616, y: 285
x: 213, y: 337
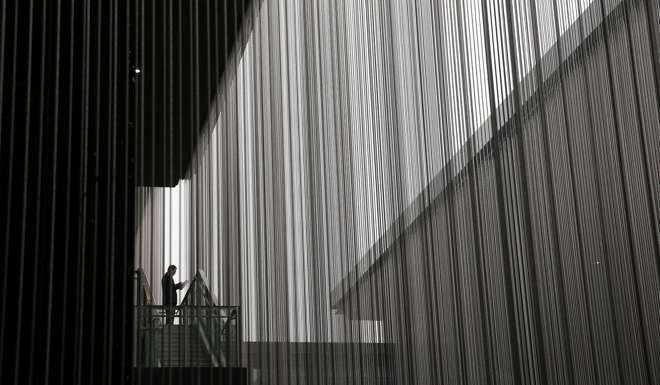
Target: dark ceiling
x: 180, y: 49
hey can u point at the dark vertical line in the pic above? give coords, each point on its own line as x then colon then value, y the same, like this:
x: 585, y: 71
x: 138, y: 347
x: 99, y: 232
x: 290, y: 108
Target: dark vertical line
x: 103, y: 245
x: 138, y: 142
x: 197, y: 128
x: 134, y: 33
x: 244, y: 350
x: 375, y: 300
x: 240, y: 116
x: 194, y: 229
x: 138, y: 138
x: 111, y: 212
x: 109, y: 200
x: 337, y: 122
x: 550, y: 182
x: 166, y: 206
x: 250, y: 175
x: 349, y: 220
x: 222, y: 225
x: 507, y: 256
x: 150, y: 41
x: 482, y: 160
x: 457, y: 235
x: 473, y: 174
x: 622, y: 172
x: 311, y: 204
x: 211, y: 125
x: 273, y: 185
x: 67, y: 220
x: 599, y: 195
x: 448, y: 138
x: 400, y: 245
x: 324, y: 322
x: 3, y: 25
x: 349, y: 363
x: 168, y: 79
x: 317, y: 198
x: 527, y: 220
x: 233, y: 170
x: 328, y: 332
x: 574, y: 194
x: 24, y: 216
x: 438, y: 68
x: 294, y: 276
x: 339, y: 39
x: 523, y: 229
x: 95, y: 222
x: 185, y: 229
x: 11, y: 146
x: 212, y: 174
x: 324, y: 326
x: 37, y: 224
x: 653, y: 20
x: 94, y: 187
x: 382, y: 369
x: 258, y: 145
x: 242, y: 310
x: 82, y: 196
x: 53, y: 213
x: 353, y: 265
x: 512, y: 213
x: 648, y: 190
x: 129, y: 228
x: 428, y: 247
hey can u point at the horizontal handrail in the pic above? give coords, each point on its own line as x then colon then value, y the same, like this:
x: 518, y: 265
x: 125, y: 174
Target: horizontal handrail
x: 192, y: 311
x: 192, y: 306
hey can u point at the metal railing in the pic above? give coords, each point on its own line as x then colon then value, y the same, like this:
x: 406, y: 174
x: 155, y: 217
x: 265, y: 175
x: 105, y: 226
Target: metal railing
x: 145, y: 297
x: 196, y: 334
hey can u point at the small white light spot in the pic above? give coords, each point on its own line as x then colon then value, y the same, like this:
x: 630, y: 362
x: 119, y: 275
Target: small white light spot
x: 137, y: 71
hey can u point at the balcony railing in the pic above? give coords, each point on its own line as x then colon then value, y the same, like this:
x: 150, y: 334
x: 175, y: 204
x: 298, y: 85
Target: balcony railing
x: 198, y: 333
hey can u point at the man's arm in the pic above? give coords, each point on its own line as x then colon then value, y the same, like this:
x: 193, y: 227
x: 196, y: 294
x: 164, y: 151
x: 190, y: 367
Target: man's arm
x: 180, y: 285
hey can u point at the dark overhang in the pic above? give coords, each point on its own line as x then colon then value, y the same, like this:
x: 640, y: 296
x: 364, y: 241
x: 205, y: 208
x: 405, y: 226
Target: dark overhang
x: 179, y: 55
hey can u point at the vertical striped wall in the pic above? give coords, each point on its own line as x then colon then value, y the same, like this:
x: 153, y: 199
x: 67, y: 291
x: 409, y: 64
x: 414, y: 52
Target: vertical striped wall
x: 394, y: 191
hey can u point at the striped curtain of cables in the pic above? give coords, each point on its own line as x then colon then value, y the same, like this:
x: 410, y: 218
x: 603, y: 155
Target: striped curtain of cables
x: 352, y: 191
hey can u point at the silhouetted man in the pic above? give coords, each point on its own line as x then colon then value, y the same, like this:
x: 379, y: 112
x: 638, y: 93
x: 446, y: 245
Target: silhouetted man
x: 169, y: 293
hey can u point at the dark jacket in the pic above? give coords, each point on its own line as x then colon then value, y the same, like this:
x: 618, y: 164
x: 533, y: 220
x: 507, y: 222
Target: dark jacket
x: 169, y: 290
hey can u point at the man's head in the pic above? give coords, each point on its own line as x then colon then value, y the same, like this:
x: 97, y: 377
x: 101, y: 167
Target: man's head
x: 171, y: 270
